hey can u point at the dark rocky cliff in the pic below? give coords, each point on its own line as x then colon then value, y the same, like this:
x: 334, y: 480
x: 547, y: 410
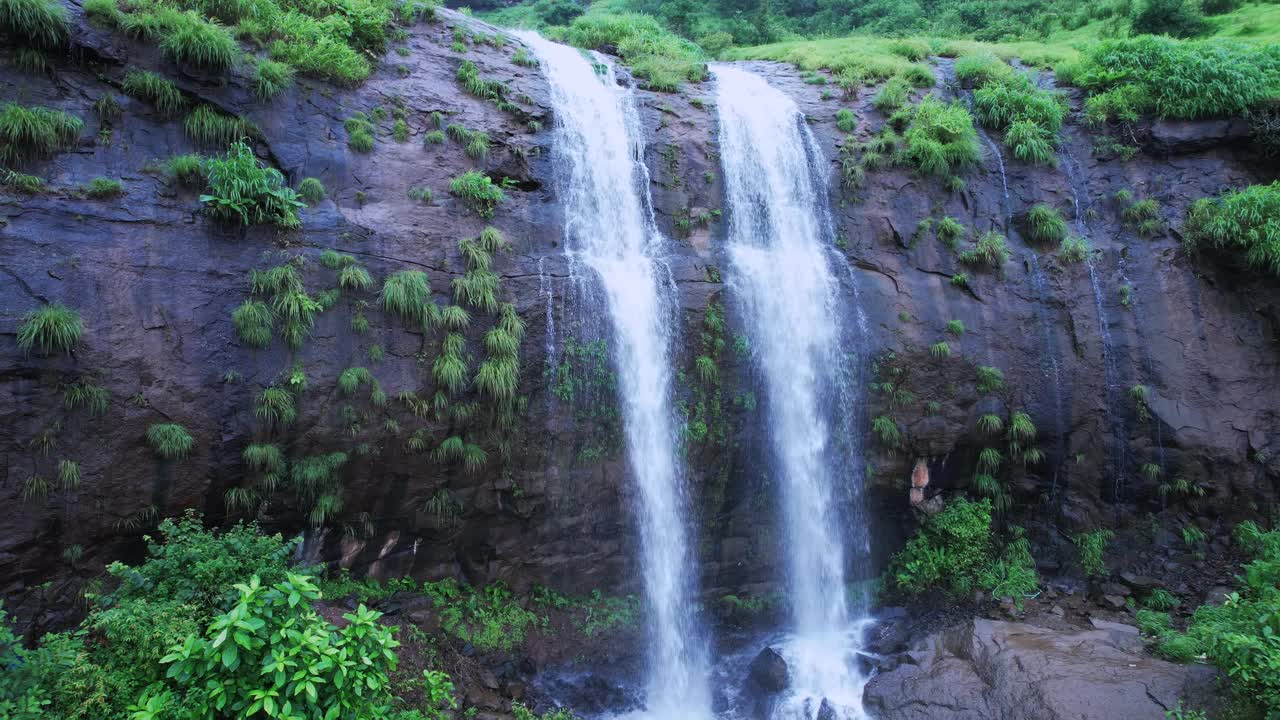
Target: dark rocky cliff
x: 156, y: 282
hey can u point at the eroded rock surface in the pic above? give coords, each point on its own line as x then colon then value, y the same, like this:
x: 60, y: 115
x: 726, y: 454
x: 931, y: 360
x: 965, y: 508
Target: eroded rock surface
x: 993, y: 670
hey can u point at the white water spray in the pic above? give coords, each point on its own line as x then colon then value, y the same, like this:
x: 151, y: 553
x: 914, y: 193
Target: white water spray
x: 781, y: 274
x: 609, y: 229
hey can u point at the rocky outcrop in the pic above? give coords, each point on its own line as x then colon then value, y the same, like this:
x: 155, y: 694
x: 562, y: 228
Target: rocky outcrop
x: 993, y: 670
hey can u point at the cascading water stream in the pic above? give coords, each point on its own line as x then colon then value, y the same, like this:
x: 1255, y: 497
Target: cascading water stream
x: 610, y: 230
x: 781, y: 276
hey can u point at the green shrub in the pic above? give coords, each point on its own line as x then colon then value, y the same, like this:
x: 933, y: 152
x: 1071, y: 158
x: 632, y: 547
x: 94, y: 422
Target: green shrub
x: 187, y: 169
x: 276, y: 407
x: 271, y: 648
x: 20, y: 181
x: 1092, y: 545
x: 1174, y: 79
x: 270, y: 78
x: 1045, y: 224
x: 940, y: 139
x: 892, y: 95
x: 490, y: 619
x: 311, y: 190
x: 990, y: 379
x: 919, y: 76
x: 52, y: 328
x: 253, y: 322
x: 477, y: 192
x: 1176, y: 18
x: 27, y: 132
x: 407, y: 293
x: 954, y: 553
x: 104, y: 12
x: 1238, y: 635
x: 360, y: 132
x: 1245, y: 222
x: 191, y: 40
x: 1074, y: 249
x: 42, y: 23
x: 103, y: 188
x: 990, y: 250
x: 241, y: 190
x: 160, y: 92
x: 170, y: 441
x: 1031, y: 117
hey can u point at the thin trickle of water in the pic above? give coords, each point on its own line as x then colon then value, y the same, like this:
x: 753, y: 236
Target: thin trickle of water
x: 781, y: 275
x: 1119, y: 443
x: 546, y: 290
x: 609, y: 229
x: 1148, y: 363
x: 995, y: 150
x: 1049, y: 366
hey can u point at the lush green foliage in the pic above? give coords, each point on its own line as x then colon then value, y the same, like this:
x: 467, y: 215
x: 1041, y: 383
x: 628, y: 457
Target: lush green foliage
x: 311, y: 190
x: 272, y: 653
x: 477, y: 192
x: 49, y: 329
x: 990, y: 249
x: 1245, y: 221
x: 654, y: 54
x: 1239, y: 635
x: 241, y: 190
x: 407, y: 293
x: 157, y: 90
x: 170, y: 441
x: 209, y: 127
x: 1045, y: 224
x: 270, y: 78
x: 42, y: 23
x: 955, y: 552
x: 939, y: 138
x: 1091, y: 546
x: 1173, y: 79
x: 27, y: 132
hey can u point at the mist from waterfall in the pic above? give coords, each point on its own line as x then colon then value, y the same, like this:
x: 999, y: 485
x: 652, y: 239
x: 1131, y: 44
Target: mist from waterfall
x: 598, y: 151
x: 781, y: 275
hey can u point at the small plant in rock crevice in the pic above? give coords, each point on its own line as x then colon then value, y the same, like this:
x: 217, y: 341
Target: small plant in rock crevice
x: 53, y: 328
x: 170, y: 441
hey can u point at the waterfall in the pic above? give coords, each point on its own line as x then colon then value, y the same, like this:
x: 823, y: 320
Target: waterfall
x: 781, y: 276
x: 609, y: 229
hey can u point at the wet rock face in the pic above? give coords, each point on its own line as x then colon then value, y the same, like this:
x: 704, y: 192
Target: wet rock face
x: 991, y: 669
x: 156, y: 281
x: 769, y: 672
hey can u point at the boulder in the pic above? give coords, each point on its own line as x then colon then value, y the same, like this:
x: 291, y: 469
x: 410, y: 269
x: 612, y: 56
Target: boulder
x: 769, y: 672
x: 987, y: 669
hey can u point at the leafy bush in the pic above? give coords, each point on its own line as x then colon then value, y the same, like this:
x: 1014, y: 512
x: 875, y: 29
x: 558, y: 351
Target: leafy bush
x: 1238, y: 635
x: 1174, y: 79
x: 1074, y: 249
x: 272, y: 653
x: 940, y: 139
x: 359, y: 132
x: 52, y: 328
x: 1091, y: 546
x: 1245, y: 221
x: 954, y: 552
x: 1176, y: 18
x: 187, y: 169
x: 21, y: 182
x: 242, y: 190
x: 490, y: 619
x: 1031, y: 117
x: 477, y: 192
x: 196, y: 566
x: 27, y: 132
